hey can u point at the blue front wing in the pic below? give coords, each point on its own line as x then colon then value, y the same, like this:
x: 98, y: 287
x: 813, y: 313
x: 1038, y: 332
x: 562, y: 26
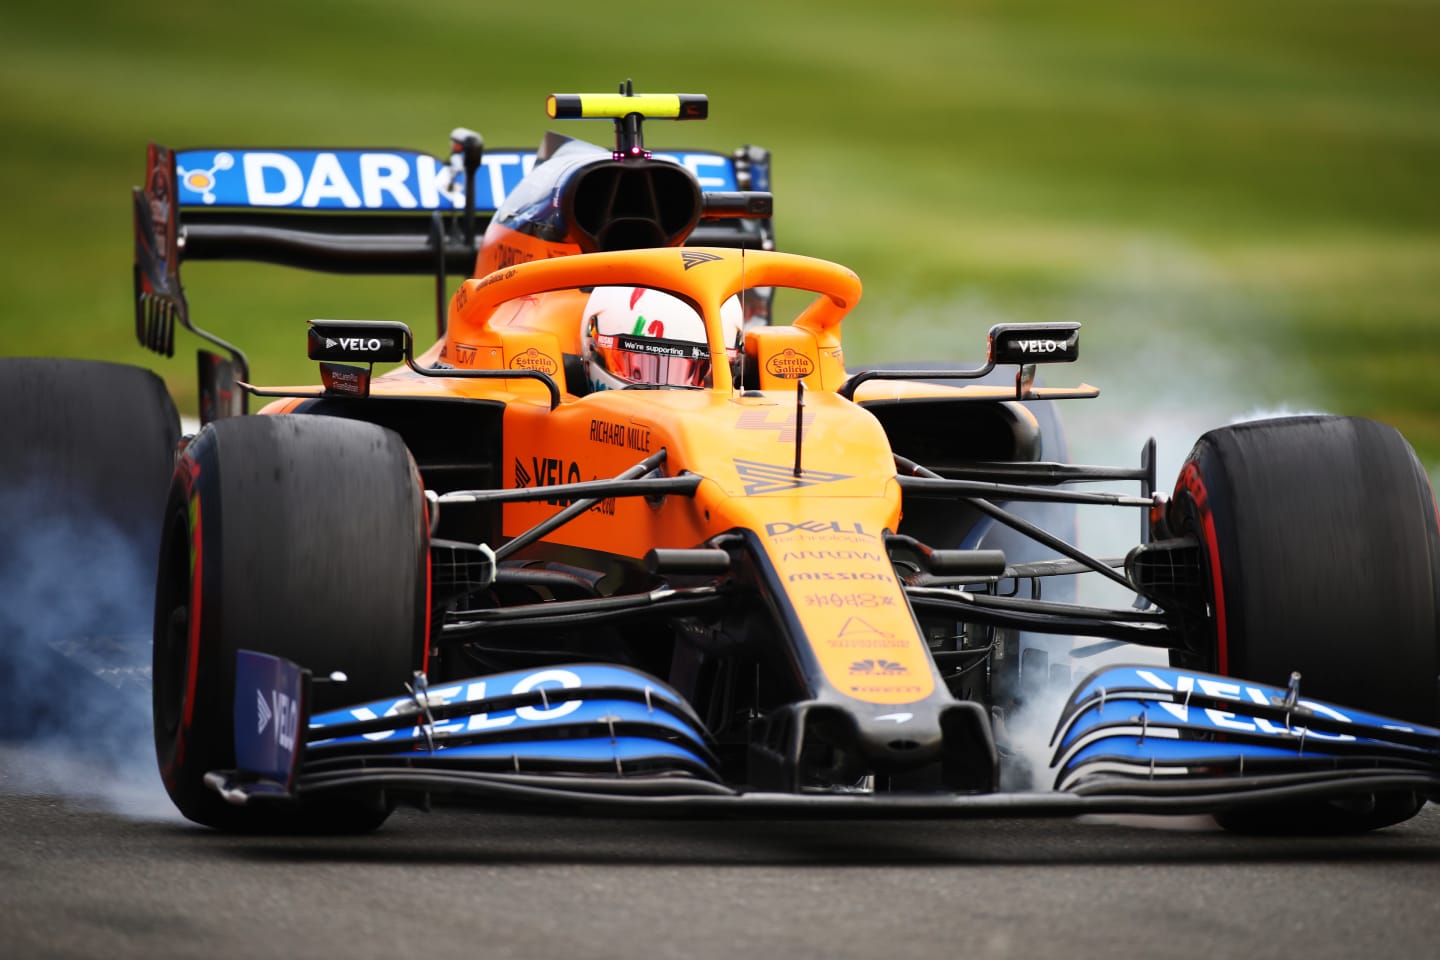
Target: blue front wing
x: 1130, y: 739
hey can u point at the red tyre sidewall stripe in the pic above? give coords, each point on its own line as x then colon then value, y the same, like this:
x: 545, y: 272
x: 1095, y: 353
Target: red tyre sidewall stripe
x: 425, y: 665
x: 1190, y: 480
x: 192, y: 666
x: 189, y: 471
x: 425, y: 519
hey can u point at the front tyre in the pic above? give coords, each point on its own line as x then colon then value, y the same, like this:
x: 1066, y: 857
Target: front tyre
x: 1322, y: 550
x: 302, y: 537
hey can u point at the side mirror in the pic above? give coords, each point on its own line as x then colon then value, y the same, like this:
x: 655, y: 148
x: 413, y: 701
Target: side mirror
x: 359, y: 341
x: 1027, y: 343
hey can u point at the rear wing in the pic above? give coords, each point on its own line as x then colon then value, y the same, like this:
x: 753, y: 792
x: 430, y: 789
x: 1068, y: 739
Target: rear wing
x: 359, y: 211
x: 384, y: 210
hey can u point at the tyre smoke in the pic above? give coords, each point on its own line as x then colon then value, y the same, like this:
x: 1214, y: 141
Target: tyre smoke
x: 76, y: 600
x: 1176, y: 349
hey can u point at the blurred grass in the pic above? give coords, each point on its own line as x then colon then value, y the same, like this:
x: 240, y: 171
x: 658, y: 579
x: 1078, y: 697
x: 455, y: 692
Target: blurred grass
x: 1257, y: 180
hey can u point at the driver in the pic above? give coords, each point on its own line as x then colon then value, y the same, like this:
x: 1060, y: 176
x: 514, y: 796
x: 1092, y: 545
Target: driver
x: 642, y: 337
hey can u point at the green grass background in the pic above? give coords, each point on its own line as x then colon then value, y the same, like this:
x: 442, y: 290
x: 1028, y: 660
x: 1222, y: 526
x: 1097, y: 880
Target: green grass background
x: 1235, y: 198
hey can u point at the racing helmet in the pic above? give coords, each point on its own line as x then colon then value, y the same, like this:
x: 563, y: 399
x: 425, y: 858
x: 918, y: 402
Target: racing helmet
x: 643, y: 337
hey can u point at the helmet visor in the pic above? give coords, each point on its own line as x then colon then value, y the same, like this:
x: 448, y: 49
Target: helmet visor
x: 653, y: 361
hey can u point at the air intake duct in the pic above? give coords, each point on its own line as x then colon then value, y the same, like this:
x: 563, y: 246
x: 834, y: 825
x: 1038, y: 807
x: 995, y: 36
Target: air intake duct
x: 631, y: 204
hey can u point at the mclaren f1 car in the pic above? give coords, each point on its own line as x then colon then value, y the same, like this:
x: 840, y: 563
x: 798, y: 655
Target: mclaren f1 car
x: 630, y: 536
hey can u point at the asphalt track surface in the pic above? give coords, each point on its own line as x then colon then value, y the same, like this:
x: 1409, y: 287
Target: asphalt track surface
x: 119, y: 876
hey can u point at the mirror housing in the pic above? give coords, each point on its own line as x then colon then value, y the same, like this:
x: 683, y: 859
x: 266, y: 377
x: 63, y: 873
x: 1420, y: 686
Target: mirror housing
x: 1027, y: 343
x: 358, y: 341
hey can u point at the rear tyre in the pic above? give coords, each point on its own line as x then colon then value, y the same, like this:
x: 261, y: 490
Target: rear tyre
x: 1322, y: 550
x: 302, y: 537
x: 86, y: 453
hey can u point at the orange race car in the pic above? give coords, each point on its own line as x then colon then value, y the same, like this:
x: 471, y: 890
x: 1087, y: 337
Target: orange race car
x: 619, y: 542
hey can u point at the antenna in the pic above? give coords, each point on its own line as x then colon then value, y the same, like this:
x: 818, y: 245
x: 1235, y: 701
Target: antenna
x: 629, y: 141
x: 799, y: 421
x: 742, y: 320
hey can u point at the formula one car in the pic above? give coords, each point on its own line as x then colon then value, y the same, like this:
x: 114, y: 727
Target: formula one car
x: 619, y: 543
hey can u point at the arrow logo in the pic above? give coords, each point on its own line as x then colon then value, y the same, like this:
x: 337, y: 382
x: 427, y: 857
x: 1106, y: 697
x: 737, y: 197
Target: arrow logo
x: 264, y: 709
x: 693, y: 258
x: 773, y: 477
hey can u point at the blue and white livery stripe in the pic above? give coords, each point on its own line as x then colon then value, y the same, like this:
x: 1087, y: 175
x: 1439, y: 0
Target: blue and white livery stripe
x: 589, y: 750
x: 379, y: 181
x: 1172, y: 753
x: 571, y: 702
x: 1193, y: 718
x: 564, y: 686
x: 566, y: 713
x: 1175, y: 690
x: 1148, y: 721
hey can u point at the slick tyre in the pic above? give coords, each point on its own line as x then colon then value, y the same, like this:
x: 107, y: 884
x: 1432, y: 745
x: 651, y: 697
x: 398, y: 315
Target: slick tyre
x: 86, y: 453
x: 1322, y: 551
x: 302, y: 537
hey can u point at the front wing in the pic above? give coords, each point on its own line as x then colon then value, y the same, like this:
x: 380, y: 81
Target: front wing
x: 601, y: 738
